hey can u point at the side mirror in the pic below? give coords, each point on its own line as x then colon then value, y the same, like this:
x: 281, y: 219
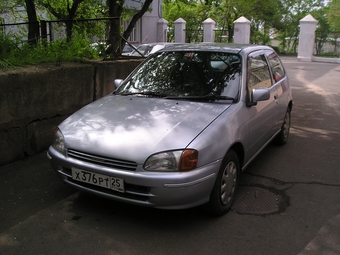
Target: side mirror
x: 117, y: 82
x: 260, y: 94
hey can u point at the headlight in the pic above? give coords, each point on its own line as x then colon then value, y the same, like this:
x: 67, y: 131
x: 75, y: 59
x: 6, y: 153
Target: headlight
x: 58, y: 142
x: 172, y: 161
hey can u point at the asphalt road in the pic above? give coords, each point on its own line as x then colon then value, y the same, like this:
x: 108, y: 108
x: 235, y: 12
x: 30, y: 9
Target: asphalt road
x: 286, y: 196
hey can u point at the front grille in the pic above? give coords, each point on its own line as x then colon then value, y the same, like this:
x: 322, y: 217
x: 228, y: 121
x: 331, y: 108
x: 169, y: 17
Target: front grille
x: 103, y: 161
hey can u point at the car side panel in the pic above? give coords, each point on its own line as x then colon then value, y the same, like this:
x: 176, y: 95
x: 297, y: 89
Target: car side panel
x: 228, y: 128
x: 262, y: 114
x: 280, y: 79
x: 283, y: 100
x: 261, y: 122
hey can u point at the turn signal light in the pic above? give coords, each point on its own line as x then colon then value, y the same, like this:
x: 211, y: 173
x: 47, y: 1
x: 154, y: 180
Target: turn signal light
x: 189, y: 159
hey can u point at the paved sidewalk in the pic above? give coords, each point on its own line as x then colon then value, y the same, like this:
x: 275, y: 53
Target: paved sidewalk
x: 327, y: 241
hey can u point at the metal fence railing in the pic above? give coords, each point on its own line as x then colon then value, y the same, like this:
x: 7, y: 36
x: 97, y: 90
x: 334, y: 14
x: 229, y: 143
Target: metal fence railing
x: 196, y: 36
x: 51, y: 30
x: 222, y: 35
x: 326, y: 43
x: 17, y: 30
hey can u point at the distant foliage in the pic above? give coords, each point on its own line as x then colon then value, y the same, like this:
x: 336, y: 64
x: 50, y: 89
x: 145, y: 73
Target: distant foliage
x: 333, y: 14
x: 14, y: 52
x: 270, y: 19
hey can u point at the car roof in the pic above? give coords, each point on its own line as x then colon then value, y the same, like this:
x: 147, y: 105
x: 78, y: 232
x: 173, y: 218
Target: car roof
x: 219, y: 47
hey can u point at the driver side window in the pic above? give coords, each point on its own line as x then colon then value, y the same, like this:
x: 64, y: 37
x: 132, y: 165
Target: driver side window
x: 276, y: 66
x: 259, y: 75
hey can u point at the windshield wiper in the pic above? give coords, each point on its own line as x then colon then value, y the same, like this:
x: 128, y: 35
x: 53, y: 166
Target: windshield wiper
x: 206, y: 97
x: 147, y: 93
x: 157, y: 94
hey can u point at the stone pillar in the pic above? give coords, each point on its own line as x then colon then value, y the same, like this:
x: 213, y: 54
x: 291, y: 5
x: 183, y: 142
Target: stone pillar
x: 180, y: 30
x: 242, y: 31
x: 307, y: 38
x: 209, y: 30
x: 162, y: 30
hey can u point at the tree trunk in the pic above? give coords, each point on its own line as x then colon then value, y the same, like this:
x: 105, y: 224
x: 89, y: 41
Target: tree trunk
x: 69, y: 30
x: 115, y: 11
x: 33, y: 27
x: 115, y: 41
x: 69, y: 18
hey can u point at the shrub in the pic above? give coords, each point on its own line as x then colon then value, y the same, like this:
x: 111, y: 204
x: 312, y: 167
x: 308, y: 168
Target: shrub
x: 15, y: 52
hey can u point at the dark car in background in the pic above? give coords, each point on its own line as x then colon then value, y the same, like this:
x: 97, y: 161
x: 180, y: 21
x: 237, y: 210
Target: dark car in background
x: 180, y: 129
x: 146, y: 49
x: 129, y: 48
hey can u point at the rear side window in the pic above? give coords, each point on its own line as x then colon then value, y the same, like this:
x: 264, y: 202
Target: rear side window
x: 259, y: 76
x: 276, y: 66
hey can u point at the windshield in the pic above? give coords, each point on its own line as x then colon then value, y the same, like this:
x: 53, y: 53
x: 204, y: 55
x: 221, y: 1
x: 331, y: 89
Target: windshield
x: 186, y: 74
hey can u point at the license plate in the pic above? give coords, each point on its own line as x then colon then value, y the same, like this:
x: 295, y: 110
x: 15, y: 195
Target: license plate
x: 101, y: 180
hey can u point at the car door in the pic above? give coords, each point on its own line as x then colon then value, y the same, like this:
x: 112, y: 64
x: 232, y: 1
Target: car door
x: 280, y: 82
x: 262, y: 115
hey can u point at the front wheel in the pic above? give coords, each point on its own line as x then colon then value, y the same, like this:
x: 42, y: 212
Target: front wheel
x: 224, y: 190
x: 282, y: 137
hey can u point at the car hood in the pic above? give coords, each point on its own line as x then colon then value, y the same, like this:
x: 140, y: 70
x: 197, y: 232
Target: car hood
x: 133, y: 128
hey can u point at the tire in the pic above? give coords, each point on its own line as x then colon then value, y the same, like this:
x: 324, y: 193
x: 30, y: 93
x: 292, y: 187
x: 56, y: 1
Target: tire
x: 224, y: 190
x: 282, y: 137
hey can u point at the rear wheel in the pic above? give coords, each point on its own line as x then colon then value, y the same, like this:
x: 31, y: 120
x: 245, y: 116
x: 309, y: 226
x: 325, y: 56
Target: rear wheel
x: 282, y: 137
x: 223, y: 193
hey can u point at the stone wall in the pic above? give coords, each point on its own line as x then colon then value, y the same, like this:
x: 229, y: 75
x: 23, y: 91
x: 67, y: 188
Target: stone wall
x: 35, y: 99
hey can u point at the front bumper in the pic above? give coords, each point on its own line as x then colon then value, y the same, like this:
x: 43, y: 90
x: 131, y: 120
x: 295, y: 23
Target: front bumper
x: 152, y: 189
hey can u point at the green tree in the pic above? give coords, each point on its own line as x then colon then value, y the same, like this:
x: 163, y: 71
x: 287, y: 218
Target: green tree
x: 116, y: 9
x: 333, y: 14
x: 224, y: 14
x: 293, y: 11
x: 323, y: 29
x: 192, y: 12
x: 63, y: 10
x: 9, y: 6
x: 264, y: 15
x: 268, y: 18
x: 33, y: 26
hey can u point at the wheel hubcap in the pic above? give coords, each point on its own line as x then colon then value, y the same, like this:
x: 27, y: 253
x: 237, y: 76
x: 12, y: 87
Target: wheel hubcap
x: 228, y: 183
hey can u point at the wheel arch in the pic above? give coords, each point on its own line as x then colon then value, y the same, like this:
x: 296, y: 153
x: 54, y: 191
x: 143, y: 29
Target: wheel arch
x: 239, y: 150
x: 290, y: 105
x: 223, y: 193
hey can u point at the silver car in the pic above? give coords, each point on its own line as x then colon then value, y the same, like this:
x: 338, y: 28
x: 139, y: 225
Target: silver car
x: 180, y: 129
